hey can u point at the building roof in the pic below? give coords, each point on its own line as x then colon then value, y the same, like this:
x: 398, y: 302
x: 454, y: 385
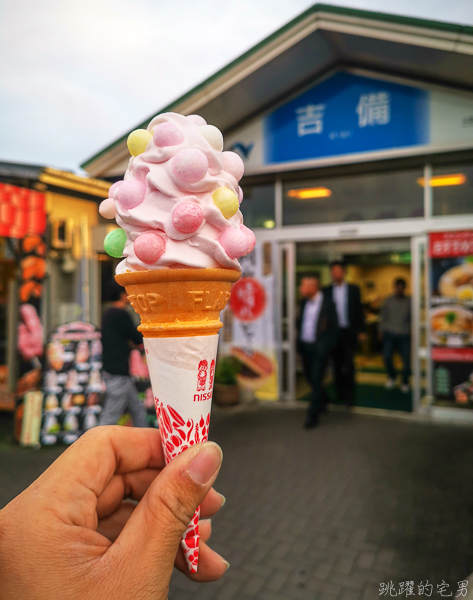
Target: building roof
x: 318, y: 41
x: 54, y: 180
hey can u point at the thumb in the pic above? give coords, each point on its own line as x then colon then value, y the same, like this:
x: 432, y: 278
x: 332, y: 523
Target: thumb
x: 152, y: 534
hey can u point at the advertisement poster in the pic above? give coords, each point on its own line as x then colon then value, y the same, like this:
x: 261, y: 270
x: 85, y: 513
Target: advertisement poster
x: 451, y: 316
x: 249, y: 324
x: 73, y: 386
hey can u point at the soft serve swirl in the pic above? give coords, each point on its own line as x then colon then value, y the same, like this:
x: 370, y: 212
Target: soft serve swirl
x: 178, y: 205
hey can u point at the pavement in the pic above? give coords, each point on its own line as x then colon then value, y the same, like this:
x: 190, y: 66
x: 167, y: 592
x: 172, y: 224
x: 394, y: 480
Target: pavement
x: 326, y: 514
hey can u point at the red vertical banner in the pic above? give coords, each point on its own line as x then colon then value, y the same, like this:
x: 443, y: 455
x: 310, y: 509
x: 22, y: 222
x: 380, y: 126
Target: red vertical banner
x: 451, y: 316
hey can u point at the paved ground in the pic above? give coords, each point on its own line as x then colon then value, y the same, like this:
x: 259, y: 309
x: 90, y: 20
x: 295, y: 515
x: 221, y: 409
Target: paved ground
x: 326, y: 514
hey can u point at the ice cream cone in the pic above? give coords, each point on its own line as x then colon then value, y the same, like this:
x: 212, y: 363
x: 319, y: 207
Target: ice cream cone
x: 180, y: 319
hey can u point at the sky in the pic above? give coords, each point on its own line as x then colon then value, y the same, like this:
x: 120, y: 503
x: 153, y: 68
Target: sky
x: 76, y: 75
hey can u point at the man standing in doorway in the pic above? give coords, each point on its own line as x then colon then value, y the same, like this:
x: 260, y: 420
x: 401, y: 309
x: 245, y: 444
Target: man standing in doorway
x: 347, y: 300
x: 317, y: 334
x: 396, y: 332
x: 118, y: 330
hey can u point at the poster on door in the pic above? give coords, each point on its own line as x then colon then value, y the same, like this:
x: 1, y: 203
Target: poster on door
x: 451, y: 316
x: 249, y: 324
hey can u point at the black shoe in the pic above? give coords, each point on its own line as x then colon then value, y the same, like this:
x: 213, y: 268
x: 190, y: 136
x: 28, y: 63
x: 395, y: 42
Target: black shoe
x: 311, y: 422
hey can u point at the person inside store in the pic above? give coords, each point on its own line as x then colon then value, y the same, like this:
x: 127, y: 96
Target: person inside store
x: 395, y: 328
x: 317, y: 328
x: 118, y: 333
x: 105, y: 520
x: 351, y: 320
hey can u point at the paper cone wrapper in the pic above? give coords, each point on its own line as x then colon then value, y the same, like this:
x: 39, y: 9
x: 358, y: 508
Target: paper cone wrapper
x: 180, y: 318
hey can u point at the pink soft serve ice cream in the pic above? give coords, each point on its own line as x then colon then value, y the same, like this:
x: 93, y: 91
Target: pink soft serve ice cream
x: 178, y: 204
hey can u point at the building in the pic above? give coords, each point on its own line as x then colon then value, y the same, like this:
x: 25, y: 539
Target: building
x: 357, y: 133
x: 62, y: 208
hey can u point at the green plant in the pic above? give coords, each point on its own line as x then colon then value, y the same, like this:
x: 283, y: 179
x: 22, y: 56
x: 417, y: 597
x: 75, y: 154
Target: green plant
x: 226, y: 370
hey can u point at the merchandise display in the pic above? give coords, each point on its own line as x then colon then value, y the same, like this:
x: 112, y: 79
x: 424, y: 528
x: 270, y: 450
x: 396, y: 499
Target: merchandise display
x: 72, y: 385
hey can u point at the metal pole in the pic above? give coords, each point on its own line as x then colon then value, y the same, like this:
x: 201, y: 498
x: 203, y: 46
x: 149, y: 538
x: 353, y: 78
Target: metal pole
x: 12, y: 334
x: 85, y: 287
x: 278, y: 202
x: 428, y: 196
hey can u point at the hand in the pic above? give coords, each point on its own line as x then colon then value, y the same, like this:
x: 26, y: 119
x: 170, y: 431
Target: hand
x: 72, y: 533
x: 362, y: 336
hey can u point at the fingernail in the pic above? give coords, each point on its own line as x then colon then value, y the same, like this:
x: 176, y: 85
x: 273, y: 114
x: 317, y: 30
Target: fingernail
x: 226, y: 563
x: 206, y: 463
x: 224, y: 500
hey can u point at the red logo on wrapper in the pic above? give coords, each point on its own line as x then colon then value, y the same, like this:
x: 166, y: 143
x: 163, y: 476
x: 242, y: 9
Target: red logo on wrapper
x: 248, y: 299
x: 202, y: 375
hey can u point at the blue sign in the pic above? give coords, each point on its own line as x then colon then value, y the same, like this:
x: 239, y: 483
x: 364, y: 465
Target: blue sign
x: 347, y: 114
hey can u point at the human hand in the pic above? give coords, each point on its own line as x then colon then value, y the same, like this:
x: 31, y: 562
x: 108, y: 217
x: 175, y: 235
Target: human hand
x: 362, y: 336
x: 72, y: 533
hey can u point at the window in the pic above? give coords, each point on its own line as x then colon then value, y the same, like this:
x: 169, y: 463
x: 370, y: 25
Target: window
x: 367, y: 197
x: 258, y: 205
x: 452, y: 190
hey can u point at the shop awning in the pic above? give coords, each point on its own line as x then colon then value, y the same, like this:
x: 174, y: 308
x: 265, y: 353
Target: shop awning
x: 320, y: 40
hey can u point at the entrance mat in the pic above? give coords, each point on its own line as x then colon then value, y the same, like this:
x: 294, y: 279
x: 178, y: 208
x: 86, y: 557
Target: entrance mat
x: 373, y: 396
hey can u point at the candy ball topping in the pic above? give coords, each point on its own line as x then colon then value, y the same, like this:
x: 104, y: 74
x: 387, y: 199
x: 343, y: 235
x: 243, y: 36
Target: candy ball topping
x: 149, y: 247
x: 226, y: 201
x: 137, y: 141
x: 114, y: 243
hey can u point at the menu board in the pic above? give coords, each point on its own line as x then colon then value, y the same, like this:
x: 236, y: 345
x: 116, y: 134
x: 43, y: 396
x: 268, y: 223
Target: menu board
x: 451, y: 316
x: 73, y: 386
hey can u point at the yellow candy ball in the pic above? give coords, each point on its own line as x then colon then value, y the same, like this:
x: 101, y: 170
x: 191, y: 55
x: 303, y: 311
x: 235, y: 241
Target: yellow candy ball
x: 226, y: 201
x: 137, y: 141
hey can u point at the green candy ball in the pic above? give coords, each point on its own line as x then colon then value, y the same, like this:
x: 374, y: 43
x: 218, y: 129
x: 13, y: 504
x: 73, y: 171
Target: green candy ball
x: 114, y: 243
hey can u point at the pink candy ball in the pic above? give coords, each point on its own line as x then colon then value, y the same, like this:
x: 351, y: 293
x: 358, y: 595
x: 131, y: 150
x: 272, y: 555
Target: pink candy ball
x: 149, y: 247
x: 250, y: 237
x: 187, y: 217
x: 130, y: 193
x: 190, y: 165
x: 167, y: 134
x: 197, y: 120
x: 234, y: 242
x: 233, y: 164
x: 114, y: 188
x: 240, y: 194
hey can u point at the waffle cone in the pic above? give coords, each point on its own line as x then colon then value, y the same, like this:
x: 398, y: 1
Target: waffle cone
x: 177, y: 307
x: 179, y: 302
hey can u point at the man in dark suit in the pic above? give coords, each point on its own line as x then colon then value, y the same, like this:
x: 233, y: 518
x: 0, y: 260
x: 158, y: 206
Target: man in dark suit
x: 317, y: 334
x: 351, y: 320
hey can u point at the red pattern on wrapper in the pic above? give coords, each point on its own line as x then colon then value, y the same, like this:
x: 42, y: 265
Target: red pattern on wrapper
x: 179, y: 369
x: 177, y: 435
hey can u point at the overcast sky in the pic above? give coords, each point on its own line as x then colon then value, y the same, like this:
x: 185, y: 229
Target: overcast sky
x: 77, y: 74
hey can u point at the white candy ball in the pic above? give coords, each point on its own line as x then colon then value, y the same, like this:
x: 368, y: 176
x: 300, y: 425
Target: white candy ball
x: 213, y: 136
x: 107, y: 208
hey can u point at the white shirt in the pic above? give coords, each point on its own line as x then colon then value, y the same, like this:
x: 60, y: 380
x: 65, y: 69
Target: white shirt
x: 340, y: 297
x: 310, y: 318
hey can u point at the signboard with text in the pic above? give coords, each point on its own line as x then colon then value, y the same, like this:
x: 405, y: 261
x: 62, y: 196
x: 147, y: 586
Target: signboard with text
x: 249, y: 323
x: 350, y: 114
x: 451, y: 316
x: 347, y: 114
